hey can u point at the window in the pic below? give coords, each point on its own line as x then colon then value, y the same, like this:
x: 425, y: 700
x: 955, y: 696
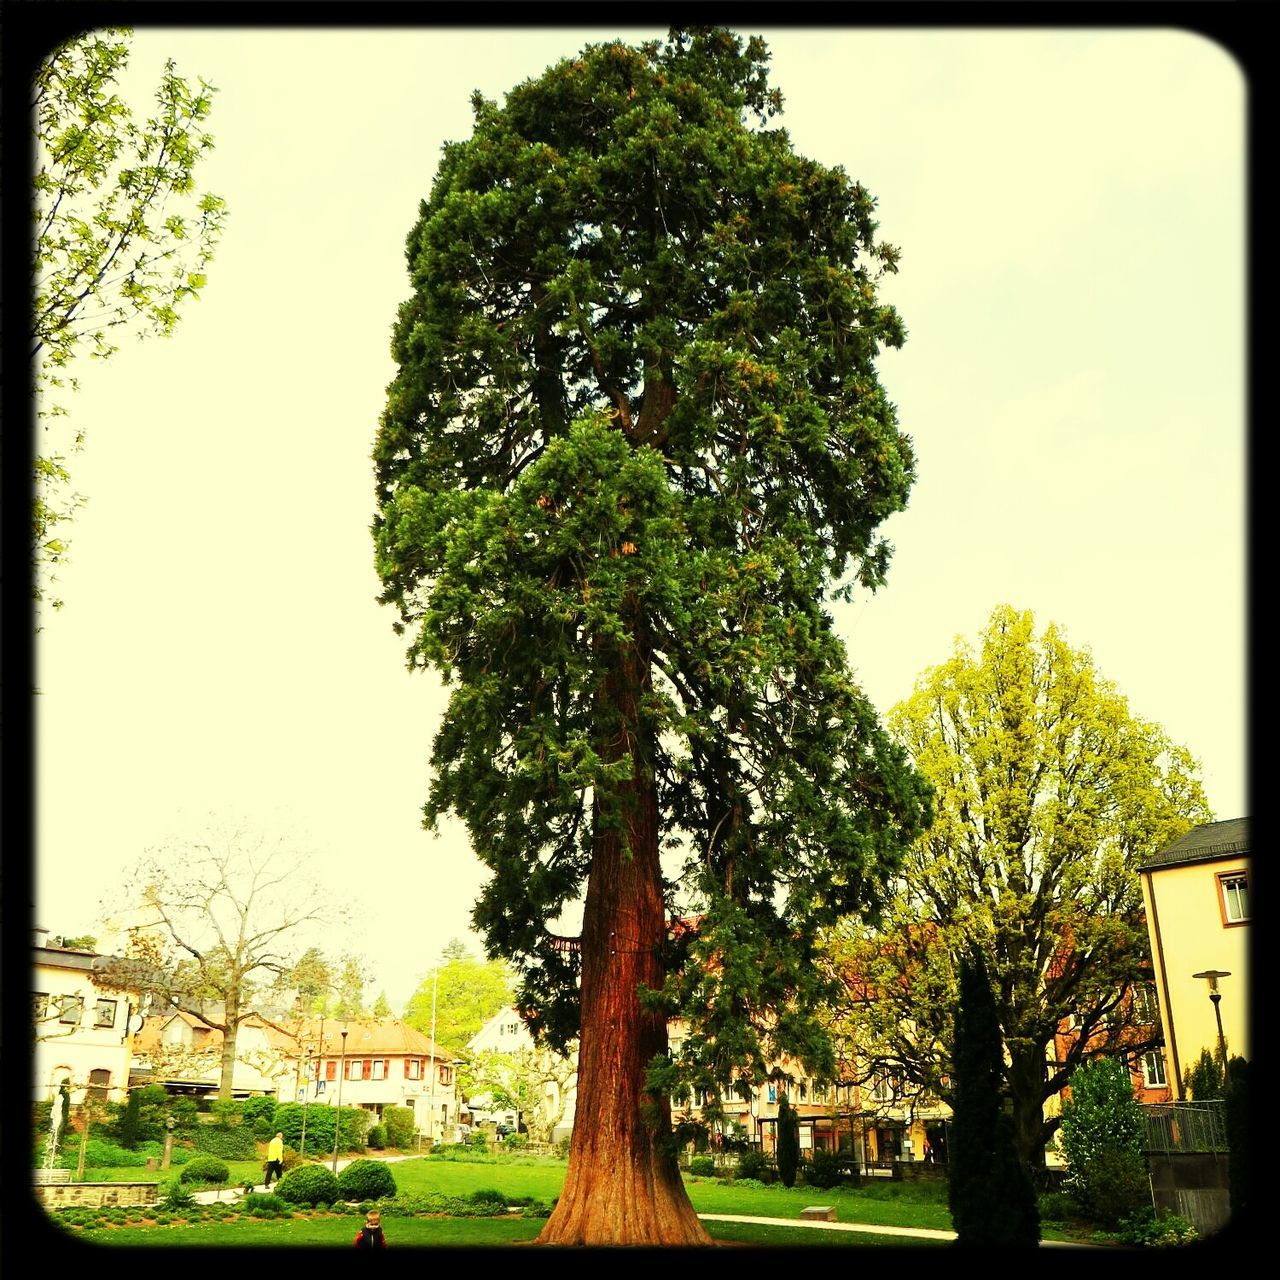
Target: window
x: 355, y: 1069
x: 331, y: 1070
x: 105, y: 1014
x: 69, y: 1009
x: 99, y: 1081
x: 446, y: 1076
x: 510, y: 1028
x: 1146, y: 1010
x: 1235, y: 897
x: 773, y: 1093
x: 40, y: 1005
x: 379, y: 1069
x: 1153, y: 1069
x: 413, y: 1068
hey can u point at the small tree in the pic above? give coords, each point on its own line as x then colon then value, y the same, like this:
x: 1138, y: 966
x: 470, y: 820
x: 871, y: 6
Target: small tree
x: 991, y: 1197
x: 788, y: 1143
x: 1203, y: 1080
x: 1102, y: 1141
x: 1237, y: 1092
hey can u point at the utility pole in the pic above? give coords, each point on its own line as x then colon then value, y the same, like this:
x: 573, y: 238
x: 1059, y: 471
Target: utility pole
x: 435, y: 1067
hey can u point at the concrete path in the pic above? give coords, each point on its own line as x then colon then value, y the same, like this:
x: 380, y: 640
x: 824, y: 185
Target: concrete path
x: 918, y: 1233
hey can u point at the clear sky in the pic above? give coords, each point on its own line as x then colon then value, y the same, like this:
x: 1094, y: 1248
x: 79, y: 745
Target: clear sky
x: 1070, y: 207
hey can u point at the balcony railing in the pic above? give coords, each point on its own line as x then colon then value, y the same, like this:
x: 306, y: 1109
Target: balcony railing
x: 1185, y: 1126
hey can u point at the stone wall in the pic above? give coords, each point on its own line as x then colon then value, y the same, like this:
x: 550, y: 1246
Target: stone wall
x: 68, y: 1194
x: 1193, y: 1184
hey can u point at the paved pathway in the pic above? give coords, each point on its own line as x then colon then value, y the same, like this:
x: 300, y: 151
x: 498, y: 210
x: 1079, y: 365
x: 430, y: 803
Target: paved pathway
x: 919, y: 1233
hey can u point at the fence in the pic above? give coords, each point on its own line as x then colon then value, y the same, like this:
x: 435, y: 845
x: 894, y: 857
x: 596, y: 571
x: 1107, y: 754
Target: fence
x: 1173, y: 1127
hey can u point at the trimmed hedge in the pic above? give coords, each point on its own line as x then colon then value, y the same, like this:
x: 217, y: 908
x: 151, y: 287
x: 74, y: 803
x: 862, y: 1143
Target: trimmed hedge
x: 309, y: 1184
x: 399, y: 1124
x: 366, y: 1180
x: 228, y: 1142
x: 204, y: 1169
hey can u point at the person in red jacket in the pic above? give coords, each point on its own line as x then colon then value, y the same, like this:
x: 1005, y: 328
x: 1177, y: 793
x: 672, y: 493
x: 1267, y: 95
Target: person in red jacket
x: 370, y: 1235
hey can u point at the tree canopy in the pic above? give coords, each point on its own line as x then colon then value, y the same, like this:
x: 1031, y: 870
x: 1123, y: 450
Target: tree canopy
x: 1048, y: 792
x: 122, y: 235
x: 636, y: 439
x: 468, y: 992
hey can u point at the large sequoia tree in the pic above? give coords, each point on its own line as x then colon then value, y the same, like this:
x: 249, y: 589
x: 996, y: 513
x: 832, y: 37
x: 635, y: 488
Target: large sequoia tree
x: 635, y: 439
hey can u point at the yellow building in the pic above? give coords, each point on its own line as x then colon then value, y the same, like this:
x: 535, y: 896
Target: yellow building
x: 1196, y: 894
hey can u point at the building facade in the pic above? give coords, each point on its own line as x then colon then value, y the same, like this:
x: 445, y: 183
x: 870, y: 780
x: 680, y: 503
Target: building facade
x: 1196, y: 894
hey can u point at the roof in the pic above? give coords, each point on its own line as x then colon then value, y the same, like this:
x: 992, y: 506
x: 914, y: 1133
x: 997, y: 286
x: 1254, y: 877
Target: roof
x: 1203, y: 843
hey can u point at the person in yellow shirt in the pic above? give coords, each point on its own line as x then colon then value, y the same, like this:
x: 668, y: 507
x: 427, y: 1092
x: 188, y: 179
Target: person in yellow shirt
x: 275, y: 1158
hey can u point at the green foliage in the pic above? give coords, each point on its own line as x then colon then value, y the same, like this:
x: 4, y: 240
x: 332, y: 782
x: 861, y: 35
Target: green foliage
x: 366, y: 1180
x: 1101, y: 1139
x: 101, y: 1153
x: 753, y: 1164
x: 399, y: 1123
x: 264, y: 1205
x: 122, y: 236
x: 262, y: 1130
x: 1239, y: 1122
x: 228, y: 1110
x: 1057, y: 1206
x: 1204, y: 1079
x: 488, y: 1198
x: 635, y: 441
x: 185, y: 1113
x: 824, y: 1169
x: 1147, y: 1228
x: 468, y: 992
x: 702, y: 1167
x: 376, y: 1138
x: 308, y: 1184
x: 128, y: 1126
x: 260, y: 1108
x: 479, y: 1140
x: 515, y: 1141
x: 230, y: 1142
x: 320, y: 1127
x: 989, y: 1192
x: 788, y: 1152
x: 205, y: 1169
x: 1049, y: 791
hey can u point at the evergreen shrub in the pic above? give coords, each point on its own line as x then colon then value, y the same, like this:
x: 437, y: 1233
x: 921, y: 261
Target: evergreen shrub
x: 399, y: 1125
x: 702, y: 1167
x: 377, y: 1137
x: 228, y: 1142
x: 366, y: 1180
x: 308, y: 1184
x: 205, y: 1169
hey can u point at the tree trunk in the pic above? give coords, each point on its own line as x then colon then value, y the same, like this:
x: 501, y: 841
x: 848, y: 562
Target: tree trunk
x: 1026, y: 1094
x: 622, y: 1186
x: 232, y: 1025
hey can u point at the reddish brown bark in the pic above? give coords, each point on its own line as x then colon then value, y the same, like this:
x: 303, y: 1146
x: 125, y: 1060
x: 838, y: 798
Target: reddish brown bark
x: 621, y: 1186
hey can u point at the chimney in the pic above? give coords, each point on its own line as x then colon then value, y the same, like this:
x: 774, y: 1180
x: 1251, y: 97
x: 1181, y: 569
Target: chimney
x: 41, y: 937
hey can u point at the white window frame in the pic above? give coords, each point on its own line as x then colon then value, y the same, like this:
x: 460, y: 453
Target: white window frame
x: 415, y: 1069
x: 1148, y: 1080
x: 379, y: 1071
x: 355, y: 1069
x: 67, y: 1005
x: 1235, y: 904
x: 1146, y: 1007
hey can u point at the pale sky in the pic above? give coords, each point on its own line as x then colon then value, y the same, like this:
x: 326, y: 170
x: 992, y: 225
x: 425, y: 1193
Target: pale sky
x: 1070, y: 207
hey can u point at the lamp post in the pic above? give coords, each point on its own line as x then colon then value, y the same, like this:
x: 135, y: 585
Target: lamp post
x: 435, y: 1067
x: 337, y: 1121
x: 1212, y: 976
x: 306, y: 1094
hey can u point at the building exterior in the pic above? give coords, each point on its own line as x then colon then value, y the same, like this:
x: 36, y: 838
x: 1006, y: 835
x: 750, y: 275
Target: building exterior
x: 379, y: 1063
x: 1196, y: 894
x: 84, y: 1024
x: 552, y: 1078
x: 184, y: 1054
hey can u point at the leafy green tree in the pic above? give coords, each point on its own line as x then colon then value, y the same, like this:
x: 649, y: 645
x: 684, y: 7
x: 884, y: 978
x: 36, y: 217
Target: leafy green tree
x: 312, y: 977
x: 991, y: 1197
x: 1204, y: 1078
x: 382, y: 1006
x: 788, y: 1142
x: 1102, y: 1139
x: 122, y: 236
x: 1048, y: 791
x: 468, y: 992
x: 635, y: 441
x: 350, y: 986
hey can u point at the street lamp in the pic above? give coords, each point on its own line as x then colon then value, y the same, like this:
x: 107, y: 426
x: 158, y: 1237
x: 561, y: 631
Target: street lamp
x: 435, y: 1066
x: 306, y: 1094
x: 1212, y: 976
x: 337, y: 1120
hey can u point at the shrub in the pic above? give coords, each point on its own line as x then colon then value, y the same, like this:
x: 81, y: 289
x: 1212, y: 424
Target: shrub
x: 488, y: 1198
x: 1057, y: 1206
x: 261, y: 1108
x: 1101, y: 1137
x: 260, y: 1204
x: 366, y: 1180
x: 400, y: 1126
x: 320, y: 1127
x: 102, y: 1154
x: 702, y: 1167
x: 788, y: 1143
x: 228, y: 1110
x: 377, y: 1137
x: 308, y: 1184
x: 177, y: 1196
x: 185, y: 1113
x: 291, y: 1159
x: 479, y: 1141
x: 562, y: 1148
x: 515, y: 1141
x: 750, y: 1163
x: 1147, y: 1227
x: 128, y: 1122
x: 205, y: 1169
x: 228, y: 1142
x: 824, y: 1169
x: 262, y: 1130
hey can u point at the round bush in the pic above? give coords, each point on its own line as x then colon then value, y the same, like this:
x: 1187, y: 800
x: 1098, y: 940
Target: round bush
x: 377, y: 1137
x: 366, y: 1180
x: 702, y: 1167
x: 205, y: 1169
x: 308, y: 1184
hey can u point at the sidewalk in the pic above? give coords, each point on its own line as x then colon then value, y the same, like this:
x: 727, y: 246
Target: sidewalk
x: 919, y: 1233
